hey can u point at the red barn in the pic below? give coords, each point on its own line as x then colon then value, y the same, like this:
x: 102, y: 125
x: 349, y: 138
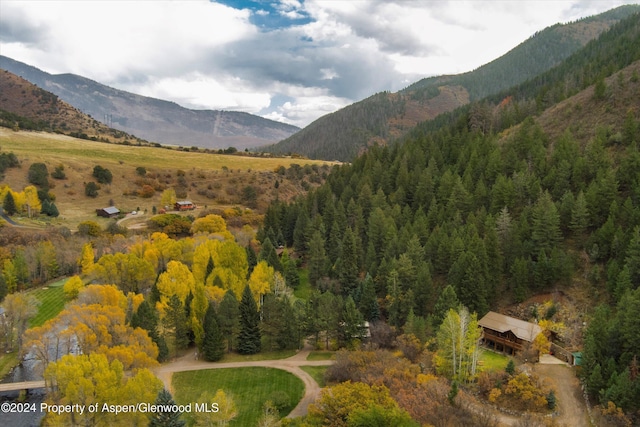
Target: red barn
x: 185, y: 205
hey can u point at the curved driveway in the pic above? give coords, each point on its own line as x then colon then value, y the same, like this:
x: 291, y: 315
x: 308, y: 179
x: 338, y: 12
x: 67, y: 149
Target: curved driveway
x: 291, y: 364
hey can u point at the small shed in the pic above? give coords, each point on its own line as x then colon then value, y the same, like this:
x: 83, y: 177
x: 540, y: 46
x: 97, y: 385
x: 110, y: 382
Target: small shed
x: 184, y: 205
x: 109, y: 212
x: 507, y: 334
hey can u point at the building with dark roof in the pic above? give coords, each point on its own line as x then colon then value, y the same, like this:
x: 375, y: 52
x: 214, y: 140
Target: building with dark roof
x: 109, y: 212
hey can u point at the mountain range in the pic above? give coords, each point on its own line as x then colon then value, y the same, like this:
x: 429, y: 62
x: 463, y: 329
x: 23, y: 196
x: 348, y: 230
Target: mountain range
x: 154, y: 119
x: 386, y: 116
x: 342, y: 135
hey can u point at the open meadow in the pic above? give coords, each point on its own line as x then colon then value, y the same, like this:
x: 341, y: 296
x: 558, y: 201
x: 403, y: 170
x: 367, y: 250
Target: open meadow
x: 207, y: 179
x: 250, y: 388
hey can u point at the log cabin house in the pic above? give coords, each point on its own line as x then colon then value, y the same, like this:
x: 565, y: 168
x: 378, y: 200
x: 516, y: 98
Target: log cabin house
x: 507, y: 334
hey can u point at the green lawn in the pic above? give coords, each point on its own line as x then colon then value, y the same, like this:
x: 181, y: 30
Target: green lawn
x: 321, y: 355
x: 266, y: 355
x: 491, y: 361
x: 303, y: 291
x: 52, y: 302
x: 250, y: 388
x: 316, y: 372
x: 7, y: 362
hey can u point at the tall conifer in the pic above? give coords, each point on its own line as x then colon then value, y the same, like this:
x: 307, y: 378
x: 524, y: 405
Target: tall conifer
x: 249, y: 337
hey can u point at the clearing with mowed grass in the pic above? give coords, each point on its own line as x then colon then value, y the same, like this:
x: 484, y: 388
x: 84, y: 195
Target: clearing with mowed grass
x: 51, y: 300
x: 250, y: 388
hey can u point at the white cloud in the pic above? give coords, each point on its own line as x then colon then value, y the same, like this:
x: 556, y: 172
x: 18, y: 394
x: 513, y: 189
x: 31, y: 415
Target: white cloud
x: 207, y: 55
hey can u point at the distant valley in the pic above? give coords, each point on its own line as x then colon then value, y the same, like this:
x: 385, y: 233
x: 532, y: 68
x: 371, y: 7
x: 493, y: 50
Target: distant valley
x: 153, y: 119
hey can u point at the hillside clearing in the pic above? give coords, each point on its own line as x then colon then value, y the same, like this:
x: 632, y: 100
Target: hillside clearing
x: 52, y: 148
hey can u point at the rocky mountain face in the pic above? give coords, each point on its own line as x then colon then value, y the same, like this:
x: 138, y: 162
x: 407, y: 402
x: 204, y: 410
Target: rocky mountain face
x: 153, y: 119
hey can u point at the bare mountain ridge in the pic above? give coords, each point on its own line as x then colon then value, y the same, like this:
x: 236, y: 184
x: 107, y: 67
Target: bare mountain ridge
x: 386, y: 116
x: 154, y: 119
x: 24, y: 105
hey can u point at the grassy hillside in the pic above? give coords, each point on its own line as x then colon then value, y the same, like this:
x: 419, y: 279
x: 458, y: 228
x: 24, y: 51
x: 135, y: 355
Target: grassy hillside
x: 26, y: 106
x: 209, y: 179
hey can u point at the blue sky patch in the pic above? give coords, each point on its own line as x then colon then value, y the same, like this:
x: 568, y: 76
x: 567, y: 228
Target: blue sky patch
x: 271, y: 15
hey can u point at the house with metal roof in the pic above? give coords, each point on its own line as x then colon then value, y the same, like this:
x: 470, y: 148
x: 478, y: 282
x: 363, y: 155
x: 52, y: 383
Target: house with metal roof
x: 109, y: 212
x: 507, y: 334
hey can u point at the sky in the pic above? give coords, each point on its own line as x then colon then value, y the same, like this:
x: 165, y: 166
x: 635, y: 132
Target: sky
x: 286, y: 60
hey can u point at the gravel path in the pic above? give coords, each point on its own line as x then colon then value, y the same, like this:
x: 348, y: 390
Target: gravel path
x: 572, y: 411
x: 291, y: 364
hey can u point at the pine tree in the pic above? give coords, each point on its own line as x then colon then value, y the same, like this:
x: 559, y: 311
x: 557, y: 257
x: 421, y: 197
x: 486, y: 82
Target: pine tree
x: 545, y: 231
x: 352, y: 322
x: 176, y: 323
x: 213, y: 344
x: 252, y: 259
x: 446, y: 301
x: 147, y: 318
x: 368, y: 300
x: 348, y: 270
x: 287, y: 337
x: 632, y: 259
x: 9, y: 204
x: 249, y: 337
x: 228, y: 319
x: 317, y: 258
x: 268, y: 254
x: 210, y: 267
x: 3, y: 288
x: 169, y: 418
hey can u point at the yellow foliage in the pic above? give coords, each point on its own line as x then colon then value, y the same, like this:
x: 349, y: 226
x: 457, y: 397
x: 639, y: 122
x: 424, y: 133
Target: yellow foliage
x: 261, y: 280
x: 91, y: 379
x: 215, y: 294
x: 212, y: 224
x: 550, y: 325
x: 227, y: 409
x: 135, y: 300
x: 31, y: 200
x: 541, y: 343
x: 422, y: 379
x: 525, y: 392
x: 494, y: 394
x: 335, y: 403
x: 177, y: 280
x: 72, y: 287
x: 106, y: 295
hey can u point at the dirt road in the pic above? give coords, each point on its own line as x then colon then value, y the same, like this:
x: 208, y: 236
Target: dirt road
x: 571, y: 407
x: 291, y: 364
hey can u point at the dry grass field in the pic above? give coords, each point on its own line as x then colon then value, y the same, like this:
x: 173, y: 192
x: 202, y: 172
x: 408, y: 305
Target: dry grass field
x: 209, y: 180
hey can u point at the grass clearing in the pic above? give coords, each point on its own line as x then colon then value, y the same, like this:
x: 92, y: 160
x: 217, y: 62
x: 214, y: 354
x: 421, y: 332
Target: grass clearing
x: 212, y: 180
x: 7, y: 362
x: 492, y: 361
x: 55, y: 149
x: 316, y: 372
x: 51, y: 300
x: 267, y: 355
x: 250, y: 388
x: 321, y: 355
x: 303, y: 291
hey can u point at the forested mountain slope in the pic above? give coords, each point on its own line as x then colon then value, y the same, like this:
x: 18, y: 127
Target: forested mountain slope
x: 486, y: 212
x: 385, y: 116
